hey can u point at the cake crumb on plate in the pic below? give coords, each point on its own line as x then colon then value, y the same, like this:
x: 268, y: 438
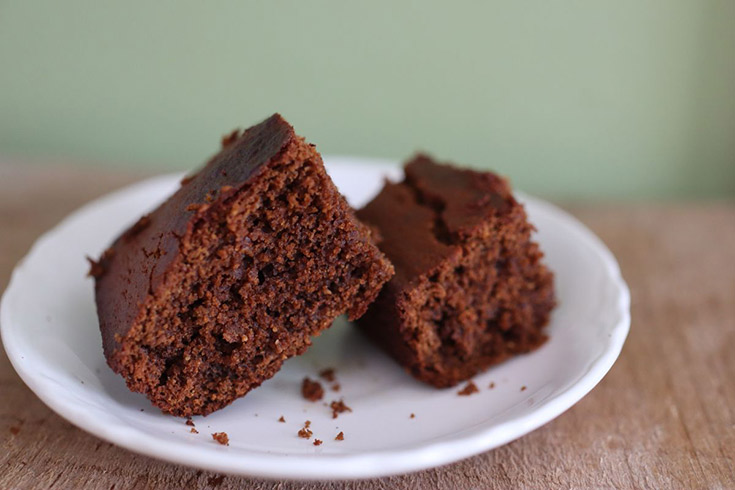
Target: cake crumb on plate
x: 338, y: 406
x: 312, y: 390
x: 327, y: 374
x: 468, y: 390
x: 222, y: 438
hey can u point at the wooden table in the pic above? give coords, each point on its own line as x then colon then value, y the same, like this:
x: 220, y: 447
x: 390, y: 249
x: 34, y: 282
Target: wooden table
x: 664, y: 417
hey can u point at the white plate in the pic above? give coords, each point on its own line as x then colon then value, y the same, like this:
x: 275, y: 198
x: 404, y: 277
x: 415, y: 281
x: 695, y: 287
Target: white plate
x: 50, y: 332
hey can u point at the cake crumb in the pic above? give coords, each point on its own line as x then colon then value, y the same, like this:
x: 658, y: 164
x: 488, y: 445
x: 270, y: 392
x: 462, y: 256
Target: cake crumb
x: 194, y: 431
x: 317, y: 442
x: 222, y: 438
x: 95, y: 268
x: 312, y: 390
x: 228, y: 139
x: 190, y: 422
x: 468, y: 390
x: 340, y: 436
x: 336, y: 387
x: 194, y: 206
x: 339, y: 407
x: 305, y: 433
x: 523, y: 388
x: 413, y: 416
x: 492, y: 385
x: 327, y: 374
x: 307, y: 424
x: 187, y: 179
x: 282, y: 419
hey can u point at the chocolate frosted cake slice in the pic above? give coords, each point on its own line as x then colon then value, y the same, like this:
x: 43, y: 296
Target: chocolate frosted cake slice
x: 203, y: 299
x: 470, y: 289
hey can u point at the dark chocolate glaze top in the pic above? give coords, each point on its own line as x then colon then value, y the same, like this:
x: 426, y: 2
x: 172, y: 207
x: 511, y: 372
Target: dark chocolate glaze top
x: 423, y: 219
x: 136, y: 262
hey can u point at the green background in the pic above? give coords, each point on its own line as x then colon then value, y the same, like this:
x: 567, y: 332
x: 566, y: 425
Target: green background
x: 570, y: 99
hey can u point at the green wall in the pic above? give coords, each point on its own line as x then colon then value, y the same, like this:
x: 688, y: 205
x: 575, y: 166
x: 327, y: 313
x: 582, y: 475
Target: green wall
x: 570, y: 99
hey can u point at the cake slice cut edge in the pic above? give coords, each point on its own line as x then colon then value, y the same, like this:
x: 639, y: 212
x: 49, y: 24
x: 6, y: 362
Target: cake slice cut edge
x: 205, y: 298
x: 470, y: 288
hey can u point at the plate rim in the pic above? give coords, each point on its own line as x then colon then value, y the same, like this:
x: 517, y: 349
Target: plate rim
x: 367, y: 464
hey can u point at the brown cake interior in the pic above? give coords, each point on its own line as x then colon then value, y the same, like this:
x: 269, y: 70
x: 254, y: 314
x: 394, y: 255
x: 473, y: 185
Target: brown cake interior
x: 478, y: 307
x: 470, y: 289
x: 257, y: 275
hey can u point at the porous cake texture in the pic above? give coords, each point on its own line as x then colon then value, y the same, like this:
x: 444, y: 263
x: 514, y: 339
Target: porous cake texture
x: 203, y: 299
x: 470, y: 288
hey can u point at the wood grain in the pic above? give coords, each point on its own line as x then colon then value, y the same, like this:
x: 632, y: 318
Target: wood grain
x: 662, y: 418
